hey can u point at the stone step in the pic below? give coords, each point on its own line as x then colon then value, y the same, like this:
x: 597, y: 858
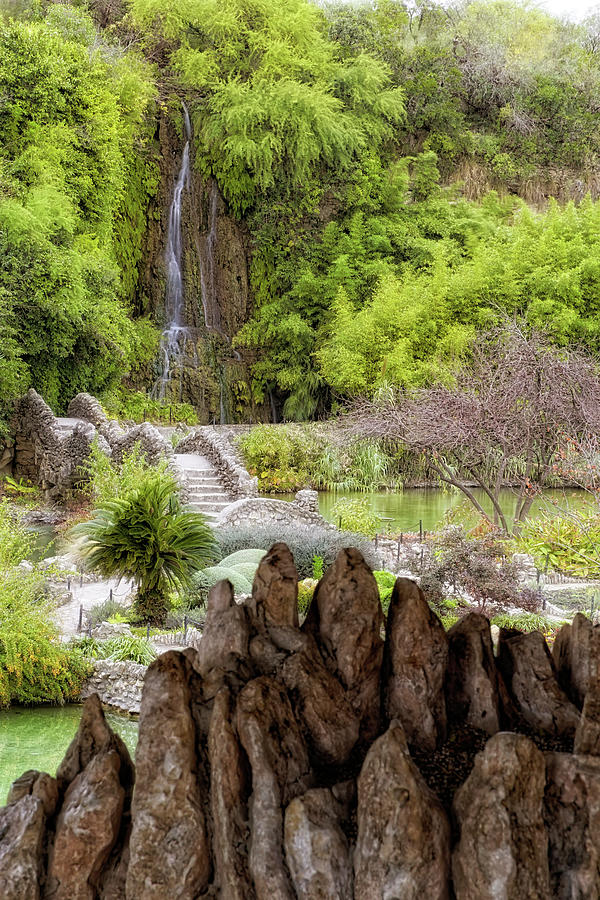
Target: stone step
x: 202, y: 506
x: 208, y: 497
x: 195, y: 480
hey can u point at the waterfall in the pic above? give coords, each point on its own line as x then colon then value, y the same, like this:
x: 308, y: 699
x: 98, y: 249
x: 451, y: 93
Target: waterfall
x: 174, y: 336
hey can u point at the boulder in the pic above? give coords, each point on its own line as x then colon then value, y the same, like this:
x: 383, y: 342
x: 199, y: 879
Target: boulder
x: 278, y: 756
x: 275, y: 588
x: 572, y: 813
x: 345, y: 619
x: 576, y: 653
x: 37, y: 784
x: 403, y: 842
x: 87, y: 829
x: 22, y: 826
x: 503, y: 846
x: 226, y: 633
x: 316, y: 849
x: 415, y: 659
x: 472, y: 696
x: 530, y: 677
x: 94, y: 736
x: 169, y: 846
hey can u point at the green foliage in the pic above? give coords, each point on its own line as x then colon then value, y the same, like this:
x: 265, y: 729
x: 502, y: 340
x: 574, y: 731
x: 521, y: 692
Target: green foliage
x: 304, y: 542
x: 318, y: 567
x: 568, y: 540
x: 243, y: 556
x: 286, y: 458
x: 149, y: 537
x: 108, y: 609
x: 385, y: 584
x: 105, y: 480
x: 70, y: 128
x: 16, y: 541
x: 138, y: 407
x: 306, y: 590
x: 356, y: 516
x: 34, y: 666
x: 127, y: 647
x: 523, y: 622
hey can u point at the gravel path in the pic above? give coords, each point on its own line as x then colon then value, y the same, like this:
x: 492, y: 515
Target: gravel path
x: 88, y: 595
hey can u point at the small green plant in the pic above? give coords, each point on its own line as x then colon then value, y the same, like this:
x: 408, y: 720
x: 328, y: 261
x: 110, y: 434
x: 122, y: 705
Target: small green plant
x: 306, y: 590
x: 147, y: 536
x: 385, y: 583
x: 522, y: 622
x: 108, y: 609
x: 130, y: 648
x: 318, y: 567
x: 19, y: 487
x: 356, y: 516
x: 16, y: 542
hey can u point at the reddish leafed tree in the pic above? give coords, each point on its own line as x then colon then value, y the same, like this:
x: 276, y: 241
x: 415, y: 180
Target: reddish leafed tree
x: 506, y: 419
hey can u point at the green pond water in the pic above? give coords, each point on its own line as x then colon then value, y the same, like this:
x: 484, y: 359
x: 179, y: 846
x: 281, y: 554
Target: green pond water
x: 402, y: 510
x: 37, y: 738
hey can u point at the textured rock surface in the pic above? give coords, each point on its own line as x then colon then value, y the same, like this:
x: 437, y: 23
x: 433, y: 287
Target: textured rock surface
x: 572, y: 813
x: 403, y: 842
x: 226, y: 634
x: 275, y: 588
x: 229, y: 788
x: 275, y: 748
x: 472, y: 678
x: 576, y: 654
x: 530, y: 677
x: 503, y: 846
x: 316, y: 849
x: 345, y: 618
x: 21, y: 840
x: 169, y: 850
x: 587, y: 736
x: 87, y: 829
x: 416, y: 654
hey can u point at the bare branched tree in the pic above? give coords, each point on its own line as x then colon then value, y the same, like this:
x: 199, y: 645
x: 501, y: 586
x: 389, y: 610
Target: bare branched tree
x: 504, y: 421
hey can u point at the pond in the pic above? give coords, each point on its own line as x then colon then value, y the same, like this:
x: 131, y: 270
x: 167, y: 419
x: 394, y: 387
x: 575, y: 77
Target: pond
x: 402, y: 510
x: 38, y: 737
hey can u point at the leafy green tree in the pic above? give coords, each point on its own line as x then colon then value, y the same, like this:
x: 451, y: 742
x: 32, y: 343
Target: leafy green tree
x: 149, y: 537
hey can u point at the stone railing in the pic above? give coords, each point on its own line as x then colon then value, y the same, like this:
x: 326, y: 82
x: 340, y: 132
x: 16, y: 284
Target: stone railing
x: 303, y: 510
x: 43, y: 453
x: 53, y: 457
x: 354, y: 757
x: 235, y: 478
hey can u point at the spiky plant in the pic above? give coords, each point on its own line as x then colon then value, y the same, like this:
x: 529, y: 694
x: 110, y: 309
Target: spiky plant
x: 148, y: 537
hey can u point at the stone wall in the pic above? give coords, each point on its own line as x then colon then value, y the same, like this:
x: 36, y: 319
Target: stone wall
x: 235, y: 478
x: 118, y: 684
x: 330, y: 761
x: 43, y: 453
x: 303, y: 510
x: 53, y: 457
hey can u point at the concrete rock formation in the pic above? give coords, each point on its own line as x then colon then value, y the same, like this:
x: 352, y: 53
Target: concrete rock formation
x: 268, y: 766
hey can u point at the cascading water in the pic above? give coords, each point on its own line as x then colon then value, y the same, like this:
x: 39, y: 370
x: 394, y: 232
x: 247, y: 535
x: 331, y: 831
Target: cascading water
x: 173, y: 340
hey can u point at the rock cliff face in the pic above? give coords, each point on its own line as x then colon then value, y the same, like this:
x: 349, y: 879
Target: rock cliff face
x: 215, y: 272
x: 324, y: 761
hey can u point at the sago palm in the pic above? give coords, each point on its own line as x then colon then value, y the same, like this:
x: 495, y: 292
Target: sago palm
x: 148, y: 537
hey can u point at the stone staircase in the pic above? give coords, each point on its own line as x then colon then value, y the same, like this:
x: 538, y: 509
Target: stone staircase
x: 205, y: 492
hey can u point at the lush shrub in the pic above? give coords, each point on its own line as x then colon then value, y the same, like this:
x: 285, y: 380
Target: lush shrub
x: 108, y: 609
x: 475, y: 569
x: 523, y: 622
x: 305, y: 542
x: 127, y: 647
x: 251, y: 555
x: 136, y: 406
x: 211, y: 575
x: 105, y: 480
x: 16, y: 542
x: 34, y: 666
x: 356, y: 516
x: 569, y: 541
x: 149, y: 537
